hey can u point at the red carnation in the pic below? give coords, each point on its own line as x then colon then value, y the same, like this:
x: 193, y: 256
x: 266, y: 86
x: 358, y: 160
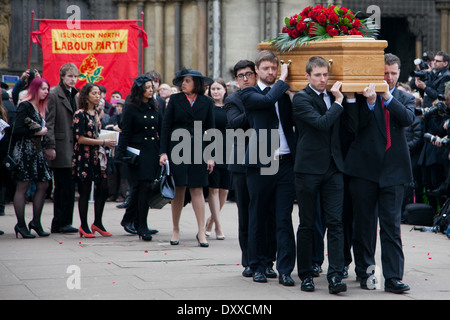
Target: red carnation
x: 305, y: 12
x: 344, y: 29
x: 322, y: 19
x: 344, y: 10
x: 301, y: 26
x: 355, y: 32
x: 356, y: 24
x: 333, y: 18
x: 285, y: 30
x: 293, y: 21
x: 333, y: 32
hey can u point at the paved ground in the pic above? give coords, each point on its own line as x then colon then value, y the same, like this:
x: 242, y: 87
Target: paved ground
x: 124, y: 267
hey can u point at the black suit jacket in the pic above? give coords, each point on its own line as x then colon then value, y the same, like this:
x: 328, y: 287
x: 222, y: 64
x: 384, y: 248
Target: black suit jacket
x: 367, y: 157
x: 261, y: 114
x: 237, y: 119
x: 318, y: 132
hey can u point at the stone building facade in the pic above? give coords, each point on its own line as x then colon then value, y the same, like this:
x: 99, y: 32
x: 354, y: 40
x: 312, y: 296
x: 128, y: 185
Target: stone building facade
x: 212, y: 35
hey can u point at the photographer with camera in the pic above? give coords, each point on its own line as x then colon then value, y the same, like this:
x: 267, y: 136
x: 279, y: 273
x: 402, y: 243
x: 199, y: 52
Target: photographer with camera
x: 434, y: 159
x: 443, y: 143
x: 433, y: 82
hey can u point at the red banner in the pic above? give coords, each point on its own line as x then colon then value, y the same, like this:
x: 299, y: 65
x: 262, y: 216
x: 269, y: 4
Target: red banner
x: 105, y: 52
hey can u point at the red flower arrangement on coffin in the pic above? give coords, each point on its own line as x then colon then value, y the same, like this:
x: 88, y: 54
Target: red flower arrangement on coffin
x: 320, y: 23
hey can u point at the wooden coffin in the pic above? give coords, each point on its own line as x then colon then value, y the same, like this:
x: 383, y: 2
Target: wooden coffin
x: 354, y: 60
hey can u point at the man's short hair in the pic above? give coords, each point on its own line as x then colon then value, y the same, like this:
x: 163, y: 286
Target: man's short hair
x: 445, y: 56
x: 66, y: 68
x: 314, y: 62
x: 390, y: 59
x: 242, y: 64
x: 266, y: 55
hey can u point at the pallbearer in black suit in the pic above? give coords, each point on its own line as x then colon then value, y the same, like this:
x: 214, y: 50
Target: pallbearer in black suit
x: 245, y: 76
x: 318, y: 169
x: 270, y: 184
x: 379, y: 165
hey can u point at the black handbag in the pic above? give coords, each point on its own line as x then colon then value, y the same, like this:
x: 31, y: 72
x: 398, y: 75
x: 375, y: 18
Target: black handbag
x: 163, y: 189
x: 9, y: 162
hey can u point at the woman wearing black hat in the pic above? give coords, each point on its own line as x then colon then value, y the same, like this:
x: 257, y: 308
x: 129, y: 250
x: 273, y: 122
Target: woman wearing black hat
x: 184, y: 110
x: 141, y: 125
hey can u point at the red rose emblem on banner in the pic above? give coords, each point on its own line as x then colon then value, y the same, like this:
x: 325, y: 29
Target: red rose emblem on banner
x: 89, y: 70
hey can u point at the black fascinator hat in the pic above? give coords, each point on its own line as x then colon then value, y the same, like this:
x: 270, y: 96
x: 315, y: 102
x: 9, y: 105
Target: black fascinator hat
x: 142, y: 79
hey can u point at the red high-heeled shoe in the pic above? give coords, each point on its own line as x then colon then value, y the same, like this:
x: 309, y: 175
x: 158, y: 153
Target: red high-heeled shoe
x: 85, y: 234
x: 103, y: 233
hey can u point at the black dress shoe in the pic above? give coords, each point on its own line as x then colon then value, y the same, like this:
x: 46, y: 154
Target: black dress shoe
x: 153, y: 231
x: 395, y: 286
x: 68, y: 229
x: 259, y: 277
x: 317, y: 269
x: 307, y: 284
x: 335, y: 285
x: 129, y: 227
x: 247, y: 272
x: 270, y: 273
x: 286, y: 280
x: 369, y: 283
x: 345, y: 273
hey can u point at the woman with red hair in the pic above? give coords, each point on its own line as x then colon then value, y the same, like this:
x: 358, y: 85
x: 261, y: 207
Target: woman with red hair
x: 28, y: 132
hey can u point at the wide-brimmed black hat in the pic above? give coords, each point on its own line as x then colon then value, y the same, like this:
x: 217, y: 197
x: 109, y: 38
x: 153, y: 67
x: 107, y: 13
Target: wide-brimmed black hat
x: 179, y: 75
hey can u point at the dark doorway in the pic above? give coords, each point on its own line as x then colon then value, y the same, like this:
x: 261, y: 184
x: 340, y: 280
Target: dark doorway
x: 401, y: 42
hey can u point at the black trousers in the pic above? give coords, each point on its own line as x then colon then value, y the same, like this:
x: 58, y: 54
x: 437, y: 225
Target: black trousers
x: 331, y: 188
x: 369, y: 203
x: 63, y: 198
x: 137, y: 211
x: 271, y: 199
x: 242, y: 198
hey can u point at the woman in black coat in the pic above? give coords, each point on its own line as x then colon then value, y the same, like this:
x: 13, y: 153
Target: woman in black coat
x: 185, y: 111
x: 141, y: 125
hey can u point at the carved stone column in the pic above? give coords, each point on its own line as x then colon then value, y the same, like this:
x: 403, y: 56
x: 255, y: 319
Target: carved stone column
x: 202, y: 36
x: 444, y: 7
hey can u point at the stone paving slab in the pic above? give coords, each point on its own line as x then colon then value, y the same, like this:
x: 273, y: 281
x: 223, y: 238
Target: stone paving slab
x: 122, y: 267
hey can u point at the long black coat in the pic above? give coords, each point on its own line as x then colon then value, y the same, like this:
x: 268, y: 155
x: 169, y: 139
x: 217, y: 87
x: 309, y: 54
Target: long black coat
x: 180, y: 115
x: 141, y: 127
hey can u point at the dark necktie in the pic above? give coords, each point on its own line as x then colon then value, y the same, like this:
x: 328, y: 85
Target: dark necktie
x: 266, y: 90
x: 388, y: 127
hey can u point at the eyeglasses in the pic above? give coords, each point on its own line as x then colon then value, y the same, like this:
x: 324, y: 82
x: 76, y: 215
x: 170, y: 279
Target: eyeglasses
x: 247, y: 75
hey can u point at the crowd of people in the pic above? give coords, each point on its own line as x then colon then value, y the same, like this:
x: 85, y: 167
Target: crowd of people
x: 348, y: 159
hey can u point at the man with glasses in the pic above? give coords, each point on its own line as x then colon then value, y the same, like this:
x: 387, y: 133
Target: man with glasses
x: 245, y: 76
x: 434, y: 85
x: 272, y: 196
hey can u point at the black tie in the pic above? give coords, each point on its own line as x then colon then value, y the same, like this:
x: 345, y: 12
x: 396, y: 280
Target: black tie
x: 266, y: 90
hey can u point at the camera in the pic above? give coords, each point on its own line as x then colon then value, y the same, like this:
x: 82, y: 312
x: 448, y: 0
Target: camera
x: 421, y: 64
x: 431, y: 138
x: 32, y: 74
x: 422, y: 75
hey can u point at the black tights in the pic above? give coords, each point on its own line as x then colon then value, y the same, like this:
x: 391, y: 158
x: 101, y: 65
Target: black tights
x: 100, y: 195
x: 38, y: 201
